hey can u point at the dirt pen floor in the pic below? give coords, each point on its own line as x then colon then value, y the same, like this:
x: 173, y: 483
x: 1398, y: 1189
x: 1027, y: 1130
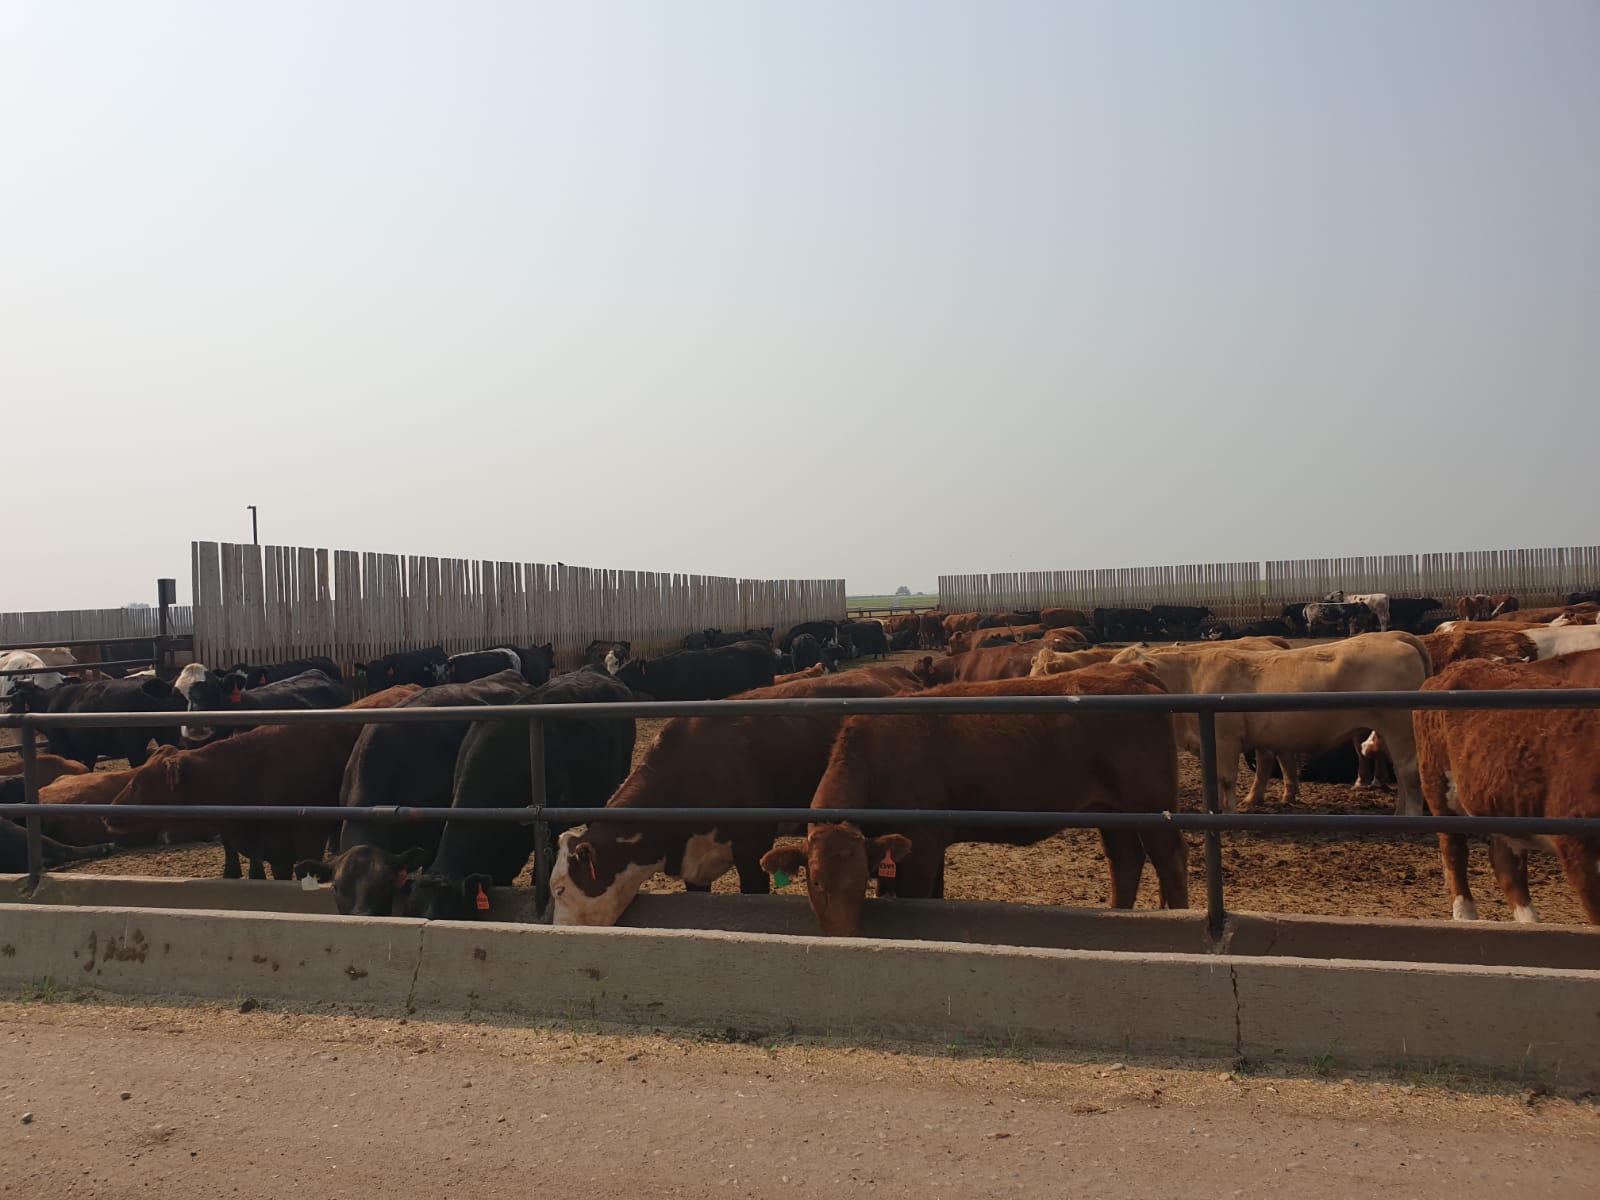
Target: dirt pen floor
x: 1360, y: 875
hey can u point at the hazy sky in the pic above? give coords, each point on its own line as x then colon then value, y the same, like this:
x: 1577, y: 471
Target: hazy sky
x: 870, y: 289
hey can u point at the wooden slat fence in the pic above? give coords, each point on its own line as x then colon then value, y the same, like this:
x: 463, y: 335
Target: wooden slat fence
x: 1249, y: 590
x: 1230, y: 590
x: 82, y: 624
x: 270, y: 603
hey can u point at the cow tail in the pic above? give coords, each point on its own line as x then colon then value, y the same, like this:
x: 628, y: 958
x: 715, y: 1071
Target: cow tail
x: 1421, y: 648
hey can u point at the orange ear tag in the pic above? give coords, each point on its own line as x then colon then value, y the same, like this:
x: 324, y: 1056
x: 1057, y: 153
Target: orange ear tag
x: 483, y: 899
x: 886, y: 869
x: 236, y: 697
x: 401, y: 879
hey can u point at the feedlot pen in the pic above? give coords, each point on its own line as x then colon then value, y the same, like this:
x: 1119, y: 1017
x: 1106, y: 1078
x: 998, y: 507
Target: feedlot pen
x: 1352, y: 874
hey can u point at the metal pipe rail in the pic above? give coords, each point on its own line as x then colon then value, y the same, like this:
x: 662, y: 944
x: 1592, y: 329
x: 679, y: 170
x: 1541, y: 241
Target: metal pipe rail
x: 70, y: 668
x: 1211, y: 823
x: 1535, y: 698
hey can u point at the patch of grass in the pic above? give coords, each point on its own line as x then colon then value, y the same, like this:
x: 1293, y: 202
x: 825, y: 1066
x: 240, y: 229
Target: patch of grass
x: 956, y: 1047
x: 920, y: 600
x: 1322, y: 1064
x: 43, y: 992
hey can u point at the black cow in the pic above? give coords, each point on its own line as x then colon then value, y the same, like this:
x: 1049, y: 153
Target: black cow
x: 1123, y: 624
x: 14, y: 849
x: 533, y: 662
x: 140, y: 694
x: 806, y: 652
x: 906, y: 639
x: 1330, y: 619
x: 701, y: 640
x: 412, y: 766
x: 255, y: 677
x: 206, y: 691
x: 1406, y: 613
x: 762, y: 637
x: 823, y: 631
x: 585, y: 761
x: 420, y: 667
x: 1271, y: 627
x: 711, y: 674
x: 1180, y: 621
x: 1584, y: 597
x: 867, y: 637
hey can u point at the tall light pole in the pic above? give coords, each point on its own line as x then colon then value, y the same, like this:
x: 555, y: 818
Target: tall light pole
x: 255, y: 539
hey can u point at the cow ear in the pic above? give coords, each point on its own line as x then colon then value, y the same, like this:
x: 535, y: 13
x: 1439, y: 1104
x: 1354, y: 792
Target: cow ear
x: 790, y: 859
x: 582, y: 854
x: 414, y: 859
x: 891, y: 846
x: 172, y: 768
x: 313, y: 868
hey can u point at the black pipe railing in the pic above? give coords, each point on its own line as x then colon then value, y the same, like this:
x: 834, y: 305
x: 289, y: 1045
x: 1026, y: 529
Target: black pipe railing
x: 1211, y: 823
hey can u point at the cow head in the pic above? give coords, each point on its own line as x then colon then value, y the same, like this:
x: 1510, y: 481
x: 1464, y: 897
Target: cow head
x: 446, y: 898
x: 837, y: 861
x: 365, y: 879
x: 598, y: 873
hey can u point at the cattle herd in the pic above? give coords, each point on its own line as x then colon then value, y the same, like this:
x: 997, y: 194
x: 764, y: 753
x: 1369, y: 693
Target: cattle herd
x: 1478, y: 763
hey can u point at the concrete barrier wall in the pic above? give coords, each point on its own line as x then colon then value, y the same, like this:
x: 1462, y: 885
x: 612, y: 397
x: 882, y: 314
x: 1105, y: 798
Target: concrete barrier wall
x: 976, y: 922
x: 1508, y: 1019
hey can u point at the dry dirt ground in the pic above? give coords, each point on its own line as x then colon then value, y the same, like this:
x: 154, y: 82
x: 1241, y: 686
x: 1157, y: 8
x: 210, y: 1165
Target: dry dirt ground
x: 194, y: 1103
x: 1326, y: 874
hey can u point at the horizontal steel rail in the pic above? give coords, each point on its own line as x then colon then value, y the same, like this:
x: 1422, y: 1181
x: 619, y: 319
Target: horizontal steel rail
x: 910, y: 818
x: 70, y: 668
x: 1534, y: 698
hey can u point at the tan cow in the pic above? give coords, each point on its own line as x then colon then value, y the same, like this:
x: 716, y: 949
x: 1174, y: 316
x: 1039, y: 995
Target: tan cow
x: 960, y: 623
x: 1514, y: 763
x: 1059, y: 662
x: 1478, y: 639
x: 1370, y: 662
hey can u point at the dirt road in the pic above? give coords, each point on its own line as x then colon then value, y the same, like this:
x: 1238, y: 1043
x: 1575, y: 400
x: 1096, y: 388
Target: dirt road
x: 191, y: 1103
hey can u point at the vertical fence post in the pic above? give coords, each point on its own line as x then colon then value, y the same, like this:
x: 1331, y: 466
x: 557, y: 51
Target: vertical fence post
x: 30, y: 789
x: 542, y: 858
x: 1216, y: 914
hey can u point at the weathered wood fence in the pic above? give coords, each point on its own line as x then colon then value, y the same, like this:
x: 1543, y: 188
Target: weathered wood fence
x: 270, y: 603
x: 82, y: 624
x: 1251, y: 590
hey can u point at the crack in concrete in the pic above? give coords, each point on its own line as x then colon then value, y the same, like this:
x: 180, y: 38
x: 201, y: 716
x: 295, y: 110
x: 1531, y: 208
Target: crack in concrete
x: 416, y: 970
x: 1238, y: 1023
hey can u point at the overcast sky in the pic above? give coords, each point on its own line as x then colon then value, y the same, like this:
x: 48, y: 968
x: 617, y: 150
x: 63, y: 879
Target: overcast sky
x: 879, y: 290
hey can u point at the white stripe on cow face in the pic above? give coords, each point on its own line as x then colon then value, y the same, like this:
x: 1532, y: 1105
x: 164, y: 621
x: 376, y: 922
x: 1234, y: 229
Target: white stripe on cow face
x: 705, y: 859
x: 571, y: 905
x: 188, y: 679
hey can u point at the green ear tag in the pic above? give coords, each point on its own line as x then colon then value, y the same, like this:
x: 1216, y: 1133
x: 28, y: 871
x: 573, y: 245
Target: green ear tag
x: 780, y: 879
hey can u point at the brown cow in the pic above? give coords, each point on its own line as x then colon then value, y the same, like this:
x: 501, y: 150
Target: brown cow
x: 961, y: 622
x: 1514, y: 763
x: 1478, y: 639
x: 51, y: 767
x: 1576, y: 614
x: 930, y: 630
x: 976, y: 639
x: 1038, y: 762
x: 726, y: 762
x: 977, y: 666
x: 1064, y: 637
x: 96, y: 787
x: 1483, y: 608
x: 1055, y: 618
x: 277, y: 765
x: 810, y: 672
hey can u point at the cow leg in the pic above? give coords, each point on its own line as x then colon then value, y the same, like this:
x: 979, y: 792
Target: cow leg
x: 1366, y: 768
x: 1227, y: 779
x: 1453, y: 853
x: 258, y: 868
x: 1125, y: 857
x: 1289, y: 767
x: 748, y: 848
x: 282, y: 867
x: 1396, y: 736
x: 696, y: 887
x: 1169, y: 856
x: 230, y: 861
x: 1580, y: 860
x: 1510, y: 864
x: 1258, y: 789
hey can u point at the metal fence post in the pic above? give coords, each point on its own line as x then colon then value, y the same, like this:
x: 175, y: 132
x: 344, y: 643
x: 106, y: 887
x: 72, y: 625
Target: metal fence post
x: 30, y: 790
x: 1216, y: 913
x: 543, y: 860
